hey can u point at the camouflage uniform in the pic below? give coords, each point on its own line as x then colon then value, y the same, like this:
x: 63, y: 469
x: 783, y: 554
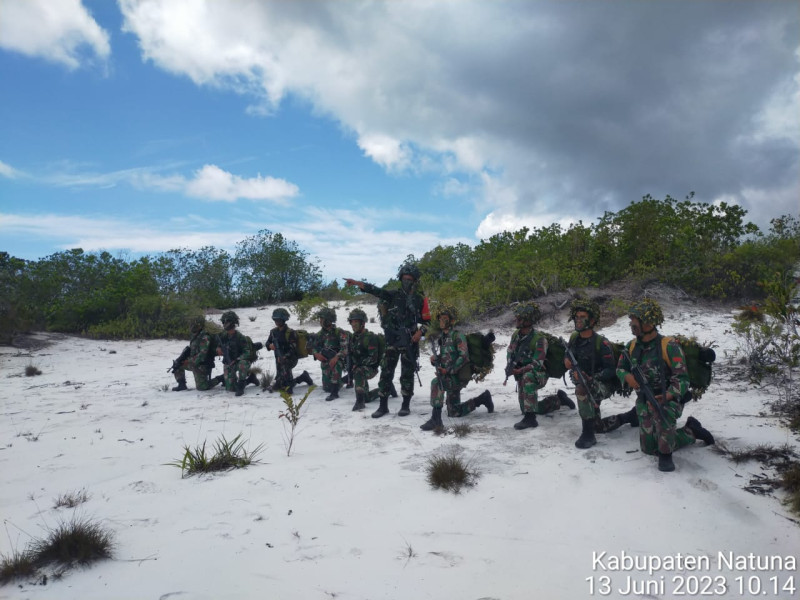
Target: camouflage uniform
x: 200, y: 362
x: 453, y: 354
x: 656, y: 437
x: 331, y: 341
x: 401, y: 315
x: 237, y: 355
x: 286, y: 356
x: 528, y: 352
x: 364, y: 351
x: 599, y: 370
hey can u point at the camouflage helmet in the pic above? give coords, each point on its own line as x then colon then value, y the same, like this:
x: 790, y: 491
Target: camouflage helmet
x: 230, y: 316
x: 408, y: 268
x: 585, y: 305
x: 327, y: 313
x: 197, y: 323
x: 648, y: 311
x: 446, y: 309
x: 280, y: 314
x: 529, y: 311
x: 357, y: 315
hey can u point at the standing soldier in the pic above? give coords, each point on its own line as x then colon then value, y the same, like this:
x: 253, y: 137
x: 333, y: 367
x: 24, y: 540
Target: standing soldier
x: 668, y: 380
x: 200, y: 362
x: 525, y: 358
x: 452, y: 355
x: 236, y: 351
x: 330, y: 349
x: 596, y: 368
x: 404, y: 318
x: 282, y: 341
x: 363, y: 356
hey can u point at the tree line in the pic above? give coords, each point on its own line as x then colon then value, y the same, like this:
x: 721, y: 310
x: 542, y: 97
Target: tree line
x: 706, y: 250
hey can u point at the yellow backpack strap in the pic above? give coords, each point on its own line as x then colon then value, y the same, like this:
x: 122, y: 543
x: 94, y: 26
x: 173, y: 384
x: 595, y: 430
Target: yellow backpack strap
x: 664, y: 341
x: 631, y: 346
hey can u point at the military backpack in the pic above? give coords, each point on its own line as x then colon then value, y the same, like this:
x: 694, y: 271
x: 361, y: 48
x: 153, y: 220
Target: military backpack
x: 699, y: 361
x: 481, y: 357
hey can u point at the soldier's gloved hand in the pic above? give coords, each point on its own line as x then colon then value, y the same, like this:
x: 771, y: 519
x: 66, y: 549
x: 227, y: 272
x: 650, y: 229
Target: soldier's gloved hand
x: 334, y: 360
x: 517, y: 371
x: 417, y: 335
x: 320, y: 357
x: 433, y: 360
x: 631, y: 381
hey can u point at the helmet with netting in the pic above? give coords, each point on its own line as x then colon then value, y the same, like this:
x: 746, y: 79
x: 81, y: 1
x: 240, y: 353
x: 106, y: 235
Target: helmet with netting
x: 584, y: 305
x: 446, y: 309
x: 229, y: 317
x: 529, y: 311
x: 357, y: 315
x: 408, y: 268
x: 280, y: 314
x: 648, y: 311
x: 197, y: 323
x: 327, y: 313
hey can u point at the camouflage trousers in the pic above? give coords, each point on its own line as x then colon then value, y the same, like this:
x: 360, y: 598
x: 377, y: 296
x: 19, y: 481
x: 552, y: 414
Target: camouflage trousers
x: 331, y: 375
x: 283, y: 373
x: 451, y: 386
x: 202, y: 377
x: 528, y: 386
x: 361, y: 377
x: 657, y: 437
x: 388, y: 366
x: 236, y: 371
x: 600, y: 390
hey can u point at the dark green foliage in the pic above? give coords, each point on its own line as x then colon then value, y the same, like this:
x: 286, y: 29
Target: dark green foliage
x: 77, y: 541
x: 227, y: 455
x: 448, y: 471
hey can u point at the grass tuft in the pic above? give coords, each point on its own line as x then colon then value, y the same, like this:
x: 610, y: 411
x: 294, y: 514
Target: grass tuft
x: 71, y: 499
x: 448, y: 471
x: 16, y: 565
x: 462, y: 429
x: 228, y: 454
x: 266, y: 380
x: 32, y: 370
x: 80, y: 541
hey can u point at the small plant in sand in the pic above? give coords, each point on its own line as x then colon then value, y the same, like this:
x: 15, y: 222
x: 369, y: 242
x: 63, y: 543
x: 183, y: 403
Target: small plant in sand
x: 32, y: 370
x: 227, y: 455
x: 291, y: 415
x: 266, y: 380
x: 448, y: 471
x: 71, y: 499
x: 78, y: 541
x: 252, y: 318
x: 461, y: 430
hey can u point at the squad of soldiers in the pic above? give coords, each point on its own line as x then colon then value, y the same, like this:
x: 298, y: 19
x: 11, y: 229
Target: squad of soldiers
x: 650, y: 366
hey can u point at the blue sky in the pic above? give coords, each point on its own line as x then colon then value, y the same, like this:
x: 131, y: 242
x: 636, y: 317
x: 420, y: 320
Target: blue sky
x: 366, y: 131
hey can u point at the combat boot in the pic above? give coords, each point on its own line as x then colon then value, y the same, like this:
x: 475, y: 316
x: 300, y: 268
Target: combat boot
x: 435, y: 422
x: 334, y: 393
x: 485, y: 399
x: 253, y: 378
x: 528, y: 420
x: 304, y: 377
x: 630, y: 417
x: 240, y: 387
x: 214, y: 381
x: 181, y: 386
x: 587, y: 439
x: 565, y: 400
x: 700, y: 432
x: 360, y: 404
x: 665, y: 463
x: 405, y: 408
x: 382, y: 409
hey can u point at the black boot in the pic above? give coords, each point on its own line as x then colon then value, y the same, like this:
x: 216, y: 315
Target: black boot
x: 383, y: 409
x: 253, y: 378
x: 181, y: 385
x: 528, y: 420
x: 304, y: 377
x: 435, y: 422
x: 215, y: 381
x: 587, y: 439
x: 565, y: 400
x: 240, y: 387
x: 700, y: 432
x: 665, y: 463
x: 485, y: 399
x: 360, y: 404
x: 393, y: 391
x: 333, y: 395
x: 628, y: 417
x: 405, y: 408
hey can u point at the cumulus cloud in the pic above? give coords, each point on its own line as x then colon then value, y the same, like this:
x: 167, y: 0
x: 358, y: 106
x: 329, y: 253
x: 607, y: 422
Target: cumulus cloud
x: 62, y: 32
x: 576, y: 106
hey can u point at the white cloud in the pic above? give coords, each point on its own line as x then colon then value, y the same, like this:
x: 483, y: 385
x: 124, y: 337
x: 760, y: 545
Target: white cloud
x: 385, y: 150
x: 57, y: 31
x: 8, y: 171
x: 212, y: 183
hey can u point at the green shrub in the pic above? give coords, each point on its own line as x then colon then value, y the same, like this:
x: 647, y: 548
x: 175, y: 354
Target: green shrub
x: 448, y: 471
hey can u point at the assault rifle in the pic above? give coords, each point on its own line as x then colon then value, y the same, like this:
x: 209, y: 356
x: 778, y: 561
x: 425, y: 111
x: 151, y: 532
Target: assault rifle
x: 512, y: 362
x: 411, y: 351
x: 437, y: 362
x: 637, y: 373
x: 178, y: 362
x: 578, y: 372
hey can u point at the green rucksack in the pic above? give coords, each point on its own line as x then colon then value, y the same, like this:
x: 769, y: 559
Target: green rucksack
x: 554, y: 359
x: 699, y: 361
x: 481, y: 357
x: 305, y: 342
